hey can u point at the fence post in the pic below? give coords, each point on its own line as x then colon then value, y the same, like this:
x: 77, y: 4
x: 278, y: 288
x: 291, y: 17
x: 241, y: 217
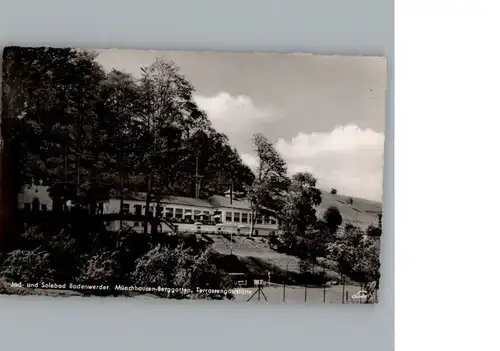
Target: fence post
x: 305, y: 293
x: 343, y: 286
x: 284, y: 281
x: 347, y: 296
x: 324, y: 284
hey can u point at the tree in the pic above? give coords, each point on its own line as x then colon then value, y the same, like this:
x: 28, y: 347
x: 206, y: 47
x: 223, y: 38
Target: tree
x: 299, y: 210
x: 343, y: 252
x: 268, y: 191
x: 367, y: 266
x: 58, y: 123
x: 87, y: 134
x: 120, y: 94
x: 168, y: 114
x: 357, y: 256
x: 233, y: 173
x: 44, y: 92
x: 332, y: 218
x: 333, y: 191
x: 212, y: 167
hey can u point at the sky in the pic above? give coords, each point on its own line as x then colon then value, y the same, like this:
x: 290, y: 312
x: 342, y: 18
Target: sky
x: 325, y: 114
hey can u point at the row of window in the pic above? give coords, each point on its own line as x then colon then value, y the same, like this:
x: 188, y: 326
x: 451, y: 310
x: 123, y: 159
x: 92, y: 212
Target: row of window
x: 181, y: 213
x: 245, y: 217
x: 167, y: 212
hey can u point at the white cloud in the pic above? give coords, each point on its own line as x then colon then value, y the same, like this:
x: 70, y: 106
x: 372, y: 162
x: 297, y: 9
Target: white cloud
x: 234, y: 114
x: 348, y: 158
x: 343, y: 139
x: 250, y: 160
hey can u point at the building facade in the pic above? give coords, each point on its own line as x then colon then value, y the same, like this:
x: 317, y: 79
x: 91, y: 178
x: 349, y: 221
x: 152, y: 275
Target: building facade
x: 236, y: 217
x: 217, y: 214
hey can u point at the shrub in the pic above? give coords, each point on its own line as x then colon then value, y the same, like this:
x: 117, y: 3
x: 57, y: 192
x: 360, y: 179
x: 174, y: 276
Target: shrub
x: 160, y: 267
x: 33, y: 235
x: 179, y: 268
x: 274, y: 240
x: 28, y: 266
x: 373, y: 231
x: 100, y: 268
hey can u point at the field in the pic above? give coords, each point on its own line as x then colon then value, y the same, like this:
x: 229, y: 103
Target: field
x: 362, y: 212
x: 296, y: 294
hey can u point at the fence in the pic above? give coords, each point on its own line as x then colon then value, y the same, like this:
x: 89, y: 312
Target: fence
x: 313, y: 285
x: 304, y: 294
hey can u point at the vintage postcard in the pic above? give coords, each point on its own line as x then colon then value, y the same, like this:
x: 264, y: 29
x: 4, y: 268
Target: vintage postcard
x: 243, y: 177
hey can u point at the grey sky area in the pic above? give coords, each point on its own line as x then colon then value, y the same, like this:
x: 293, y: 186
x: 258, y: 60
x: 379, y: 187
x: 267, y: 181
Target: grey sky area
x: 326, y: 114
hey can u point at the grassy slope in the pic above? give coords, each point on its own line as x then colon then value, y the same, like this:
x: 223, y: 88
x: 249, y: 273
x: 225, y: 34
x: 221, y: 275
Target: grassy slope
x: 255, y: 255
x: 368, y: 210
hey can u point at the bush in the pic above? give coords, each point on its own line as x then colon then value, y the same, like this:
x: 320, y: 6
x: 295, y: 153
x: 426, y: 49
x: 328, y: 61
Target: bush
x: 33, y: 235
x: 179, y: 268
x: 326, y: 263
x: 160, y: 267
x: 28, y: 266
x: 373, y: 231
x: 274, y: 240
x: 333, y: 191
x: 100, y: 268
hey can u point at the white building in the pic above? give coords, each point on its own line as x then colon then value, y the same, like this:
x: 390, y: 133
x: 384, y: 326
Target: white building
x: 215, y: 214
x: 236, y: 217
x: 35, y: 198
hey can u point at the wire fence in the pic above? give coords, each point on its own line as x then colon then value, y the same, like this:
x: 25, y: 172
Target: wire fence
x: 299, y: 284
x: 304, y: 294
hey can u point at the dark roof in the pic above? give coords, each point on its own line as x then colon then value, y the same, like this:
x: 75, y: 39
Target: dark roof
x: 188, y: 201
x: 174, y: 200
x: 222, y: 201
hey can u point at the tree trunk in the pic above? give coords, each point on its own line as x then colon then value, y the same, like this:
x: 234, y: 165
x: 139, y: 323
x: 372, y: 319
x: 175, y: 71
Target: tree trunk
x: 66, y: 164
x: 152, y: 134
x: 78, y: 155
x: 231, y: 192
x: 122, y: 181
x: 196, y: 179
x: 57, y: 204
x: 92, y: 198
x: 158, y: 216
x: 253, y: 219
x: 148, y: 202
x: 78, y: 180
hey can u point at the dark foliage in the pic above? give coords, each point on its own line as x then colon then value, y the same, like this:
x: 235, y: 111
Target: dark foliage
x: 86, y: 134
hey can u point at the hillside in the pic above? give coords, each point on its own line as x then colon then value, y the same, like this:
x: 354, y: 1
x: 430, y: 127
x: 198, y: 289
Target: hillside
x: 366, y: 211
x: 241, y: 254
x: 253, y: 255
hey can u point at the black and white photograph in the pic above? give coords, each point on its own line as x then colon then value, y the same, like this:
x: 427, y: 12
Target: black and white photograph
x: 238, y: 177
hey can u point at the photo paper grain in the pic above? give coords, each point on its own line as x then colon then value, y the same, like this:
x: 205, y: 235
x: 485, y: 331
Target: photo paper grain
x: 238, y: 177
